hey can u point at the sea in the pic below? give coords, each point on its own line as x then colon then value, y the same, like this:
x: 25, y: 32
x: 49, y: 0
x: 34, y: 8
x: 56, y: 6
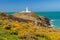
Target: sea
x: 54, y: 17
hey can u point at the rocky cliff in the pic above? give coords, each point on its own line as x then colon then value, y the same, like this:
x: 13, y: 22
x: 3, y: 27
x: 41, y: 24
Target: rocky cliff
x: 26, y: 26
x: 37, y: 20
x: 27, y: 17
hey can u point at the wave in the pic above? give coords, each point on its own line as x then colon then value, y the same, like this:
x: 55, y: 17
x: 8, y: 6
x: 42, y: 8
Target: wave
x: 52, y: 23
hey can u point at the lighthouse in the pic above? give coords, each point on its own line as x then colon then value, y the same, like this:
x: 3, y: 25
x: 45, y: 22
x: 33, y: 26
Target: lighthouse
x: 26, y: 10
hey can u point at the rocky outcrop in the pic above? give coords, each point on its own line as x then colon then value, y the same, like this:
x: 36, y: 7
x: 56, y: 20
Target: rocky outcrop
x: 37, y: 20
x: 27, y: 17
x: 27, y: 26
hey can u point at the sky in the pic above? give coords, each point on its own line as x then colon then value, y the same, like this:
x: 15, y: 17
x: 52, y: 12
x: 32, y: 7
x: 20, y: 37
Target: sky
x: 33, y: 5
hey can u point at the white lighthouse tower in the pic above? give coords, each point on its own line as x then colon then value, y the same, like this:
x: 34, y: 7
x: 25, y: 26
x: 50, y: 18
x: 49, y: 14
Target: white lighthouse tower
x: 26, y: 10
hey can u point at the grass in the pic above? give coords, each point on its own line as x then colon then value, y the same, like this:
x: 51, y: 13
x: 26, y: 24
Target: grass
x: 4, y: 35
x: 24, y: 32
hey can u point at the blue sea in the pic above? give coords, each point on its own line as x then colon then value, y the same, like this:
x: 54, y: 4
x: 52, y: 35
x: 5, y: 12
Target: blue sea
x: 53, y: 16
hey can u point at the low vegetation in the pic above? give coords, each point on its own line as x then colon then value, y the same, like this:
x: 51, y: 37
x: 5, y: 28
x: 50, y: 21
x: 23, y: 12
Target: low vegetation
x: 14, y: 30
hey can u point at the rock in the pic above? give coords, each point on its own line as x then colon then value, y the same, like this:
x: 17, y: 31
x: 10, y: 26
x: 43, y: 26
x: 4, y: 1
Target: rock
x: 27, y: 17
x: 37, y: 20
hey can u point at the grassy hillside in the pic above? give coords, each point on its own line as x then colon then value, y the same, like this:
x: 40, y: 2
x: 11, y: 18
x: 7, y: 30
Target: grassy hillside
x: 24, y: 29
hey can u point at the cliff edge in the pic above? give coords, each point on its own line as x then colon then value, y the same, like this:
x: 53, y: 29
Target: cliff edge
x: 37, y: 20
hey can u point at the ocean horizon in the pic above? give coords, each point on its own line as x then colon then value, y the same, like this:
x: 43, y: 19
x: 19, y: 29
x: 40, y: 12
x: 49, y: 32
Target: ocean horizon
x: 53, y: 16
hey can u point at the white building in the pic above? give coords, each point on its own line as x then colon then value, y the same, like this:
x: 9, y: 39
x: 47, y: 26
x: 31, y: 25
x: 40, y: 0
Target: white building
x: 26, y: 10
